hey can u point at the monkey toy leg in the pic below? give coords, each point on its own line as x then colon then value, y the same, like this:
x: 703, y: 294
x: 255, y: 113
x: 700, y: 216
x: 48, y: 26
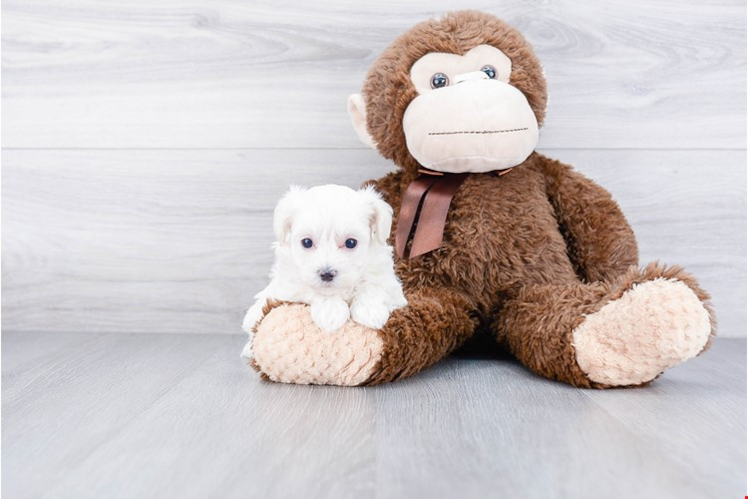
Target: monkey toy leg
x: 608, y: 334
x: 289, y: 347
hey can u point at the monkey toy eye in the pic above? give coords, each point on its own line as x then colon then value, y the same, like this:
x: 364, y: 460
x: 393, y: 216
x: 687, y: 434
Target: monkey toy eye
x: 307, y: 243
x: 439, y: 80
x: 351, y: 243
x: 490, y: 71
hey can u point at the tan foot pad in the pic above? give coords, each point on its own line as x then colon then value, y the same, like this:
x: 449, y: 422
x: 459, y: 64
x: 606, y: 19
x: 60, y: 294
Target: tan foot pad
x: 652, y: 327
x: 289, y: 347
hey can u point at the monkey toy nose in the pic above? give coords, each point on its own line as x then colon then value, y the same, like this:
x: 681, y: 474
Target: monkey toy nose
x: 473, y: 75
x: 327, y: 275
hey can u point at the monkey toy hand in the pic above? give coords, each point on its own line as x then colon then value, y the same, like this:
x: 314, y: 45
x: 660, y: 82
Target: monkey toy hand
x: 289, y: 347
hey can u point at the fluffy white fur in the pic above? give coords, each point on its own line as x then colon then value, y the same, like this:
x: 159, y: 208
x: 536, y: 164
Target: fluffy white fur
x: 364, y: 288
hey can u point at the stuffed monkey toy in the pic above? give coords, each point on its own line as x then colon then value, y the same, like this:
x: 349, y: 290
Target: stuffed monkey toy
x: 490, y: 235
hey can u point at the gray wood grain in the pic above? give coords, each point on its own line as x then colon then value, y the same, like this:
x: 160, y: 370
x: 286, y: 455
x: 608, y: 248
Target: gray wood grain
x: 709, y: 418
x: 489, y: 429
x: 179, y: 241
x: 179, y: 416
x: 222, y: 74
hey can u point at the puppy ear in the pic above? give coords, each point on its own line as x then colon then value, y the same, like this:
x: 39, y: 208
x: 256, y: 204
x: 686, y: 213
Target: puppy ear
x: 284, y: 213
x: 380, y: 218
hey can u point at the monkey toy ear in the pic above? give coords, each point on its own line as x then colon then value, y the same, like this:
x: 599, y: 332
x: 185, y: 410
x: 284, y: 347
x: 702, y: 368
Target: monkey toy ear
x: 357, y: 111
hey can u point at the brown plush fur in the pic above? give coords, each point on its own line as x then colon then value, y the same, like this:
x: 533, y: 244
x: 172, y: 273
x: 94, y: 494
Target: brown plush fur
x: 526, y: 255
x: 529, y: 253
x: 424, y: 334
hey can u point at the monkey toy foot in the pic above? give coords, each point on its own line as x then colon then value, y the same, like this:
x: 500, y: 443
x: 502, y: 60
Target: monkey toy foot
x: 289, y: 347
x: 656, y: 323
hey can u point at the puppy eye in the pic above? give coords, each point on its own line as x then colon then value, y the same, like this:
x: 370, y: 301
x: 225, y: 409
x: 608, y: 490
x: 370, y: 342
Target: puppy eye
x: 307, y: 243
x: 489, y: 70
x: 439, y: 80
x: 351, y: 243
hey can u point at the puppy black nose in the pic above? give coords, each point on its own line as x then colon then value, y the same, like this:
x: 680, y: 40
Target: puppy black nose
x: 327, y: 275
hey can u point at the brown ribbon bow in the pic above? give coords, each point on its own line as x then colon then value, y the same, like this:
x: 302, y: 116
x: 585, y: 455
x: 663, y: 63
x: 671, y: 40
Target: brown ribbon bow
x: 424, y: 207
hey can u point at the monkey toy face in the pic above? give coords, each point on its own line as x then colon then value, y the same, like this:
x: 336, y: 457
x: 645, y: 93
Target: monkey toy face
x: 467, y: 117
x: 460, y: 94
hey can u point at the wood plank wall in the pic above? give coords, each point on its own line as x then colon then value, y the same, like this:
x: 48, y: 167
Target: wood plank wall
x: 145, y: 143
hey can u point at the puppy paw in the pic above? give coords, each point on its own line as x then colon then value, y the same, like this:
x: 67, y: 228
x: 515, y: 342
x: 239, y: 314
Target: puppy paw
x: 252, y: 317
x: 247, y: 352
x: 368, y: 313
x: 330, y: 314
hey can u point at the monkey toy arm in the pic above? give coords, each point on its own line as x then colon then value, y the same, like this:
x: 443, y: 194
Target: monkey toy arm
x: 290, y: 348
x: 600, y: 242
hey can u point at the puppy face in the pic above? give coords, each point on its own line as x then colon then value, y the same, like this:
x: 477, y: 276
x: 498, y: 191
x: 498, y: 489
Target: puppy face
x: 331, y: 232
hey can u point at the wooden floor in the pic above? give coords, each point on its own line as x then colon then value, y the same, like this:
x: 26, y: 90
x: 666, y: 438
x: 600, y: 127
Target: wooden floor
x: 114, y: 415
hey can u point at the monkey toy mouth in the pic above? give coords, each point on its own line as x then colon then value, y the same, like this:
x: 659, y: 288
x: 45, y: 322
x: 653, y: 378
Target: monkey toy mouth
x: 457, y: 132
x: 473, y: 150
x: 472, y: 127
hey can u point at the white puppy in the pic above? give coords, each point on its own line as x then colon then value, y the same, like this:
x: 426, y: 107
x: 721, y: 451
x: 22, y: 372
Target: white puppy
x: 331, y: 253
